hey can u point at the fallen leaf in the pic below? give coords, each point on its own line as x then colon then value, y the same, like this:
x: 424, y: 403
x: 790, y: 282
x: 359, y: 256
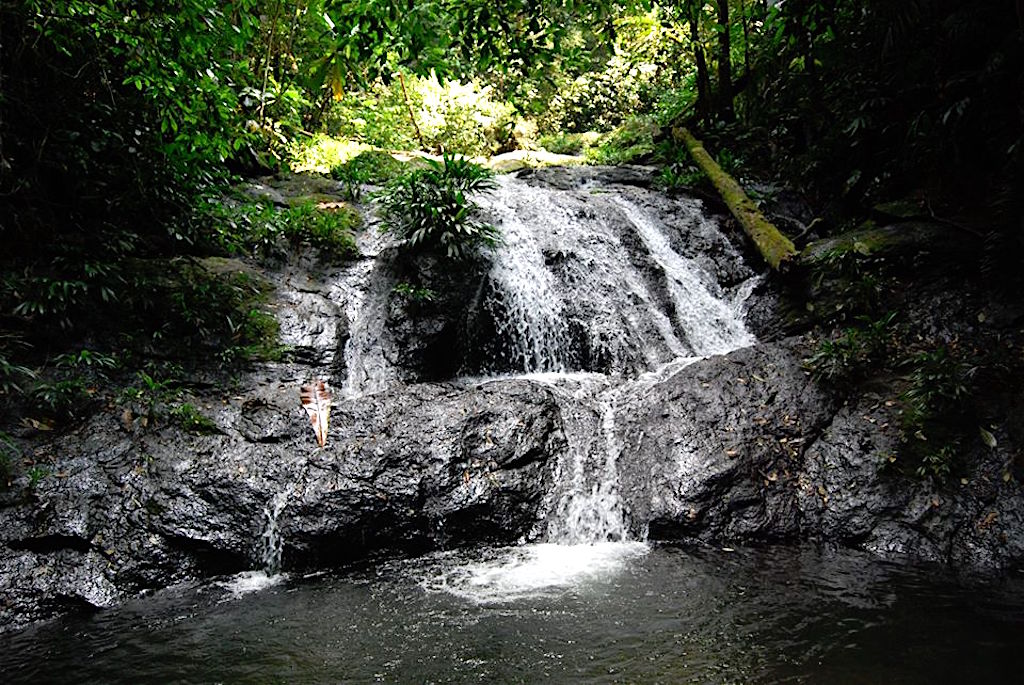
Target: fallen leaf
x: 316, y: 400
x: 987, y: 438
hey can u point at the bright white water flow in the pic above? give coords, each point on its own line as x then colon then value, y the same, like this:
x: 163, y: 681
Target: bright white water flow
x: 592, y: 295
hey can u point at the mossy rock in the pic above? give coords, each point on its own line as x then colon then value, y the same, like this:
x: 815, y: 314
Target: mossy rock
x: 895, y: 240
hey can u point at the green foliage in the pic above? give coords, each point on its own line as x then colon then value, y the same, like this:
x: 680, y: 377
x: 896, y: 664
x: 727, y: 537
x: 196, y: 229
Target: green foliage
x: 430, y: 208
x: 321, y: 153
x: 36, y: 474
x: 191, y: 419
x: 856, y: 351
x: 415, y: 293
x: 849, y: 282
x: 150, y: 395
x: 449, y: 115
x: 60, y: 399
x: 678, y: 175
x: 329, y: 231
x: 13, y: 376
x: 645, y: 72
x: 258, y: 229
x: 371, y: 167
x: 223, y: 310
x: 935, y: 412
x: 568, y: 143
x: 630, y: 141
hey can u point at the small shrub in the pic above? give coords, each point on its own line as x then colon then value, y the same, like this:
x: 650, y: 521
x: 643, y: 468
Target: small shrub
x: 851, y: 355
x: 429, y: 208
x: 36, y: 474
x: 569, y: 143
x: 935, y: 413
x: 677, y: 175
x: 191, y: 419
x: 321, y: 153
x: 327, y: 230
x: 630, y: 141
x: 258, y: 229
x: 13, y: 376
x: 415, y: 293
x: 60, y: 399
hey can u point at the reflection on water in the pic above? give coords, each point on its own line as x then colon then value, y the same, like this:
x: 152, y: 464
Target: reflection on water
x: 599, y: 615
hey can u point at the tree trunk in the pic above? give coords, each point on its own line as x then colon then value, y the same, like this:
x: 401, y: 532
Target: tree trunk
x: 724, y: 63
x: 703, y: 80
x: 777, y: 249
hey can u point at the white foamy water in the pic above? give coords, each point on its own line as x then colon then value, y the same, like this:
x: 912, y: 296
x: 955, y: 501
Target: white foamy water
x: 534, y: 571
x: 247, y: 582
x: 712, y: 324
x: 527, y: 294
x: 271, y: 542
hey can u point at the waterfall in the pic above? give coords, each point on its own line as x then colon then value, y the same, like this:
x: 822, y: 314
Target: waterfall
x: 597, y: 261
x: 271, y: 543
x: 594, y: 291
x: 526, y: 296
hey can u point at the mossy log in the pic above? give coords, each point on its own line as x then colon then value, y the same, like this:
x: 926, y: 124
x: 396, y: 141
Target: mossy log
x: 777, y: 249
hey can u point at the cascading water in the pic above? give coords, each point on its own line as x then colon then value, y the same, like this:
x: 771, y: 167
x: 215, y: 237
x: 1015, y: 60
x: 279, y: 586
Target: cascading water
x: 271, y: 542
x: 598, y: 262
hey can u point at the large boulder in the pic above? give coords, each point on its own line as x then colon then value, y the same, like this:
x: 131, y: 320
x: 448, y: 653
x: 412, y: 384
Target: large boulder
x: 714, y: 452
x: 748, y: 447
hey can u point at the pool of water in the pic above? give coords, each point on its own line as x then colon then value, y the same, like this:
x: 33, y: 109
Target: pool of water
x: 600, y: 614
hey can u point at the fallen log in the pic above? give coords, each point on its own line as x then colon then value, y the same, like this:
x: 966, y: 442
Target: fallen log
x: 777, y: 249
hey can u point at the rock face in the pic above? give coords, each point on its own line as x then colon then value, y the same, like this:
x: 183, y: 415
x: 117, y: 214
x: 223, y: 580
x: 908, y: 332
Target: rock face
x: 716, y: 449
x: 411, y: 471
x: 747, y: 447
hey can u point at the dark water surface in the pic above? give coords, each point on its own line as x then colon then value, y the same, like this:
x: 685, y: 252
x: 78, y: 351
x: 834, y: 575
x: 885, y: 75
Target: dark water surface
x: 668, y: 616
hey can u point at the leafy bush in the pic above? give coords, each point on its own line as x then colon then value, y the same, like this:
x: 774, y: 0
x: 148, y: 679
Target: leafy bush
x: 327, y: 230
x: 450, y: 116
x: 850, y: 356
x: 258, y: 229
x: 373, y: 166
x: 462, y: 118
x: 321, y: 153
x: 429, y: 208
x: 191, y: 419
x: 568, y: 143
x: 13, y: 376
x: 633, y: 139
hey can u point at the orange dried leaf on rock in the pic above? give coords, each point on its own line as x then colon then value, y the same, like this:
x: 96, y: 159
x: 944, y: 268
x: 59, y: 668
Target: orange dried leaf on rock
x: 316, y: 400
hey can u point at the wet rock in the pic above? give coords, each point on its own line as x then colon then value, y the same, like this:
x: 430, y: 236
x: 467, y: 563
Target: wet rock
x: 749, y: 447
x: 716, y: 449
x: 430, y: 466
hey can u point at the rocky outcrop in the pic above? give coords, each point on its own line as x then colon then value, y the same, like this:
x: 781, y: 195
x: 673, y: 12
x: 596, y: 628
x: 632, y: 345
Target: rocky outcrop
x: 716, y: 450
x: 747, y: 447
x: 135, y: 508
x: 736, y: 448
